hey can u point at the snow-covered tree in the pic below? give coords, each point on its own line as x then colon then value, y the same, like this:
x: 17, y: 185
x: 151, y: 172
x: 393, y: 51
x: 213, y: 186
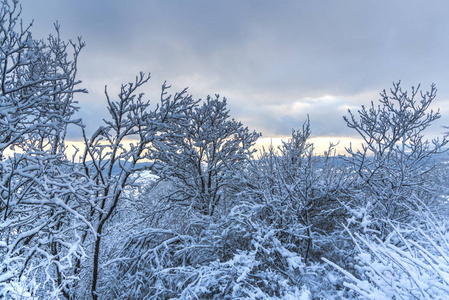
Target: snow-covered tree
x: 41, y: 191
x: 205, y: 155
x: 110, y: 159
x: 401, y: 246
x: 395, y: 162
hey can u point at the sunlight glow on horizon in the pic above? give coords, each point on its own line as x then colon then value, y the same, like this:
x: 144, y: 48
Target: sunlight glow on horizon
x: 321, y: 144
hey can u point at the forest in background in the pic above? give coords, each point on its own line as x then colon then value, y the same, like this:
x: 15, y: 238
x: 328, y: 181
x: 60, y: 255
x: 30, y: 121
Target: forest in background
x: 190, y: 210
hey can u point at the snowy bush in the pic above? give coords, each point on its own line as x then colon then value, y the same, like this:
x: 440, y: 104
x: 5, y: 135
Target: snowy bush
x: 298, y: 192
x: 182, y: 267
x: 412, y: 263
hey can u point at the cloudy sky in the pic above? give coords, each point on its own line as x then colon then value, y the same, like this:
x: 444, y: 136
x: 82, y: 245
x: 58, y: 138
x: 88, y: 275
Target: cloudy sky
x: 275, y: 61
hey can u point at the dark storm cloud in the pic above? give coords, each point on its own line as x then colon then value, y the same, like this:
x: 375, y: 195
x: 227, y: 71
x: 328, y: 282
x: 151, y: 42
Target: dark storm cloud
x: 276, y: 62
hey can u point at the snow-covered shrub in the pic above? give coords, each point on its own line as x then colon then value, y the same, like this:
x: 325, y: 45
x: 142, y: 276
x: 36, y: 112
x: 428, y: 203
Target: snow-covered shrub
x: 299, y: 192
x: 256, y: 251
x: 412, y: 263
x: 232, y: 260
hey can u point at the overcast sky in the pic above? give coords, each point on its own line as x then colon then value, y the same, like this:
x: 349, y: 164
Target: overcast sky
x: 275, y: 61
